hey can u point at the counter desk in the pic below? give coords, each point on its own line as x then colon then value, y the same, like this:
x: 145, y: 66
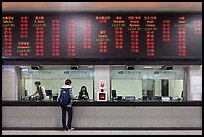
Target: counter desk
x: 103, y: 115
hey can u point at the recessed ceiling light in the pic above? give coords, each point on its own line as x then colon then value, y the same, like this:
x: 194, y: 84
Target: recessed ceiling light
x: 147, y: 67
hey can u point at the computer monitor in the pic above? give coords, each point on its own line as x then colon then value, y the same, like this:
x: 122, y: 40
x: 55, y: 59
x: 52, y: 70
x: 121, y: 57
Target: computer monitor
x: 150, y: 94
x: 54, y: 96
x: 119, y: 97
x: 182, y: 94
x: 48, y: 92
x: 144, y: 97
x: 113, y: 93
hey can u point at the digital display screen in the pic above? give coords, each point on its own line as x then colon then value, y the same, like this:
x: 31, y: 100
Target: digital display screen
x: 106, y: 35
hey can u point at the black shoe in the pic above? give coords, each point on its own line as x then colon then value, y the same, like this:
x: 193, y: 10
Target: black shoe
x: 64, y: 128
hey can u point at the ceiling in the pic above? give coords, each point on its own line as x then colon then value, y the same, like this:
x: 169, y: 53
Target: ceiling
x: 102, y: 6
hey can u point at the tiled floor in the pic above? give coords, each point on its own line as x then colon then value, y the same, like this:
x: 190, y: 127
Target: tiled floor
x: 102, y: 132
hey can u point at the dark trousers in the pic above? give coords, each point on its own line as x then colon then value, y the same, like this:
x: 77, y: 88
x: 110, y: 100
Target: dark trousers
x: 69, y: 122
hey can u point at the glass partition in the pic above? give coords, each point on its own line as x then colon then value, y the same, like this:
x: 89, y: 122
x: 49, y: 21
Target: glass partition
x: 148, y: 84
x: 53, y: 78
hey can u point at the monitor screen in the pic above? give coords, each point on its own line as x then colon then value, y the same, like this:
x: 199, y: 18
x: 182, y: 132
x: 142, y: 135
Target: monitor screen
x: 150, y: 94
x: 144, y: 97
x: 48, y: 92
x: 113, y: 93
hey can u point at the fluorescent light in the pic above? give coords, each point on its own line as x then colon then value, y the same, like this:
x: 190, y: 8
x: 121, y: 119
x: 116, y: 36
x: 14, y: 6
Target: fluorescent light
x: 147, y: 67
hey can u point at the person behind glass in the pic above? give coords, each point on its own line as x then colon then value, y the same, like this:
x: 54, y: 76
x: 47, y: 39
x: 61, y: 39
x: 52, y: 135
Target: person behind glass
x: 40, y: 90
x: 67, y: 108
x: 83, y: 94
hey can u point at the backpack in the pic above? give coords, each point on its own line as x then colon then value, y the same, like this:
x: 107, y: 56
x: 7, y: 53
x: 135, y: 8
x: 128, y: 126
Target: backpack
x: 65, y: 98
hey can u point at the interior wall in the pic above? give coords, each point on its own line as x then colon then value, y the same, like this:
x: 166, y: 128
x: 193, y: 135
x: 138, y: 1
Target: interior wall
x: 194, y: 82
x: 9, y: 82
x: 101, y: 72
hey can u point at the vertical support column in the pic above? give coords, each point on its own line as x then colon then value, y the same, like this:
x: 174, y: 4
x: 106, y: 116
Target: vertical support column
x: 194, y: 82
x: 9, y: 82
x: 102, y: 72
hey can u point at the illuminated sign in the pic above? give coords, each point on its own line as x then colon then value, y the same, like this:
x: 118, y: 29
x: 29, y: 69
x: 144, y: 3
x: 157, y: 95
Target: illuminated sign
x: 128, y: 35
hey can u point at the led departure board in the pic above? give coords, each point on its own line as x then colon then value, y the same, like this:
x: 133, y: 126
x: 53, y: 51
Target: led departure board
x: 106, y: 35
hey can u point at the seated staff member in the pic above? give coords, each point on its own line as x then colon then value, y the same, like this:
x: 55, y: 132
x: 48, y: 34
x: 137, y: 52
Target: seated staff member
x: 40, y: 90
x: 83, y: 94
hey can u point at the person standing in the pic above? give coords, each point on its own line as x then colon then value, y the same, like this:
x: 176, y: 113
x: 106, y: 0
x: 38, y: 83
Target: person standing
x: 40, y: 90
x: 66, y: 106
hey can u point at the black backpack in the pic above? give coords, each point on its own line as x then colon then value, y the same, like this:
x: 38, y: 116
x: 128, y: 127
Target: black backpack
x: 65, y: 98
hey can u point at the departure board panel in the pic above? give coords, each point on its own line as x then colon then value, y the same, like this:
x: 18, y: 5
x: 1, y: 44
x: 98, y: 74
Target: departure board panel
x: 106, y: 35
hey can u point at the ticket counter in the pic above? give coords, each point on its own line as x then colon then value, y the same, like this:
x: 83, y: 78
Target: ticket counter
x: 104, y: 115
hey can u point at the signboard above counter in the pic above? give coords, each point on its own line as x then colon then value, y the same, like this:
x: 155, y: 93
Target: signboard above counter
x: 101, y: 35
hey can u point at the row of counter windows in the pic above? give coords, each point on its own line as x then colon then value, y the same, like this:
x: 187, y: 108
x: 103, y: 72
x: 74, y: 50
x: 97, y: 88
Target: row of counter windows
x: 139, y: 84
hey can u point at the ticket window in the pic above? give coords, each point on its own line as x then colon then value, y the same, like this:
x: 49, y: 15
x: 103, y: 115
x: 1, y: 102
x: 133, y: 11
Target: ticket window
x: 52, y: 77
x: 148, y: 84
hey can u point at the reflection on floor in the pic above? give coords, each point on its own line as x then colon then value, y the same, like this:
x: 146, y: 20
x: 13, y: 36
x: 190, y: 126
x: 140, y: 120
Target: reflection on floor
x: 102, y: 132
